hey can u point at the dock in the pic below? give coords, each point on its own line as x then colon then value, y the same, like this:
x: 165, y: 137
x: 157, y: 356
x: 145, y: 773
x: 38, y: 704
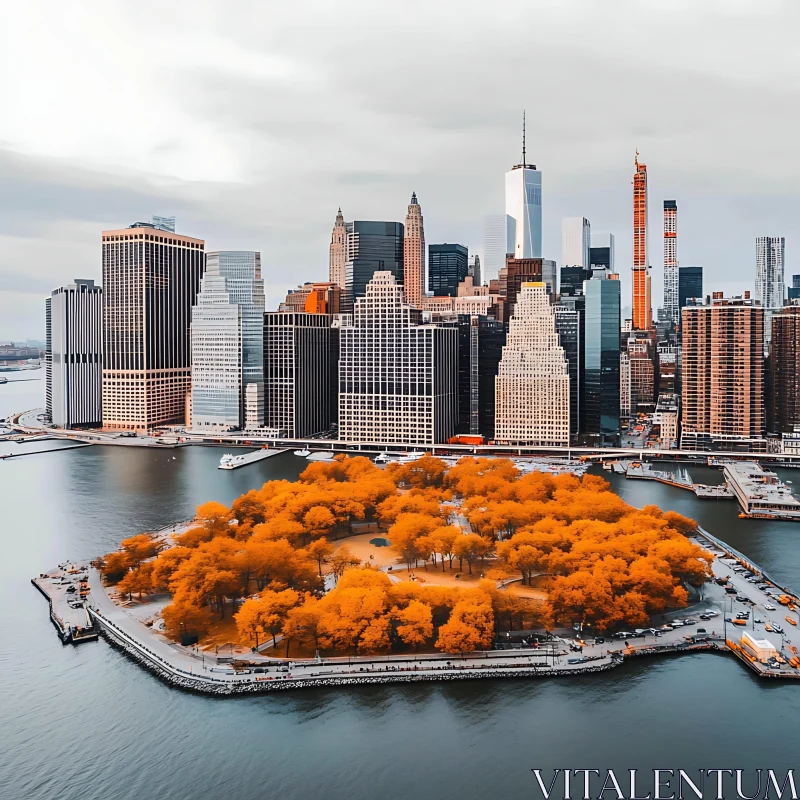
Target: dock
x: 680, y: 480
x: 234, y: 462
x: 66, y: 589
x: 760, y: 492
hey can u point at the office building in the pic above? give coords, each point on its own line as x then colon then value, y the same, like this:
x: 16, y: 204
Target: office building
x: 532, y: 384
x: 690, y: 284
x: 527, y: 270
x: 324, y: 298
x: 151, y: 279
x: 643, y: 369
x: 301, y: 365
x: 524, y: 208
x: 770, y: 253
x: 414, y: 254
x: 371, y: 247
x: 665, y: 420
x: 783, y: 410
x: 642, y: 301
x: 570, y: 325
x: 793, y: 291
x: 480, y: 348
x: 722, y: 377
x: 164, y: 223
x: 74, y: 355
x: 671, y: 306
x: 576, y: 235
x: 572, y: 279
x: 601, y: 253
x: 474, y: 269
x: 602, y: 360
x: 228, y: 343
x: 495, y: 245
x: 447, y: 267
x: 624, y: 385
x: 398, y: 378
x: 337, y: 253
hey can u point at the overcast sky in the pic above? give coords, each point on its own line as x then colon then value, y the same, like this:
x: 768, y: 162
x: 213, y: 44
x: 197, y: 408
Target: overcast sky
x: 251, y: 122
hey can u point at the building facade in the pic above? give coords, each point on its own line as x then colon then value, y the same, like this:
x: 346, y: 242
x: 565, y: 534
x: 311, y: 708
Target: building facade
x: 74, y: 355
x: 783, y: 411
x: 602, y: 360
x: 601, y: 253
x: 576, y: 242
x: 414, y: 254
x: 570, y: 318
x: 398, y: 379
x: 532, y: 384
x: 337, y: 252
x: 495, y: 245
x: 770, y: 255
x: 690, y: 284
x: 372, y: 247
x: 474, y: 270
x: 447, y: 267
x: 151, y: 279
x: 301, y: 363
x: 228, y: 343
x: 642, y: 300
x: 722, y: 380
x: 671, y: 306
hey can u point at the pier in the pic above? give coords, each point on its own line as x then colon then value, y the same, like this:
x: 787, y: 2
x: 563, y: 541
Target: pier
x: 234, y: 462
x: 760, y: 493
x: 66, y: 589
x: 4, y: 456
x: 680, y: 480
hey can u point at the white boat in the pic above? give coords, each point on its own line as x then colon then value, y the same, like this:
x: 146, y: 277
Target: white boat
x: 326, y: 456
x: 303, y: 453
x: 387, y: 458
x: 226, y: 460
x: 409, y: 458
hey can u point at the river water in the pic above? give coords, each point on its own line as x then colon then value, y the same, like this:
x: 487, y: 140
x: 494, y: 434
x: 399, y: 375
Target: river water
x: 84, y: 722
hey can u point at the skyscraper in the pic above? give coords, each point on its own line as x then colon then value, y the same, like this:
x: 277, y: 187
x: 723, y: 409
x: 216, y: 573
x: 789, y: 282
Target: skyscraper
x: 447, y: 267
x: 371, y: 247
x: 576, y: 237
x: 793, y: 291
x: 414, y: 254
x: 601, y: 253
x: 337, y: 253
x: 532, y: 384
x: 228, y: 343
x: 783, y: 413
x: 150, y: 283
x: 642, y: 302
x: 602, y: 359
x: 570, y: 318
x: 770, y: 251
x: 495, y: 245
x: 690, y: 284
x: 671, y: 260
x: 722, y: 380
x: 301, y: 364
x: 398, y: 379
x: 524, y: 207
x: 474, y: 270
x: 74, y: 321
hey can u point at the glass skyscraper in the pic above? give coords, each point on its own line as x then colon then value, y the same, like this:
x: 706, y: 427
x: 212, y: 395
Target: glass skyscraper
x: 447, y: 267
x: 228, y: 343
x: 690, y: 284
x: 372, y: 247
x: 602, y: 354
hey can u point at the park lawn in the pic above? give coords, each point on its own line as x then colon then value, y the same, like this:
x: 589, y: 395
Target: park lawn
x: 360, y: 547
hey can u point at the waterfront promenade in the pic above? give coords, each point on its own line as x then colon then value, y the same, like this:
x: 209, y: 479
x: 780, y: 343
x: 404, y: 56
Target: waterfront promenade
x: 205, y: 672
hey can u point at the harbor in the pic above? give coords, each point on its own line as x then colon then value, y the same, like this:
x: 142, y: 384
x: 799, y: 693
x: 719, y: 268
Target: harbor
x: 761, y: 494
x: 681, y: 479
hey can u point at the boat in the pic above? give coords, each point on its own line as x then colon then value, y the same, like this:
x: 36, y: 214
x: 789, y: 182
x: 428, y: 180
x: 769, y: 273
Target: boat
x: 3, y: 379
x: 325, y: 456
x: 302, y: 453
x: 226, y: 460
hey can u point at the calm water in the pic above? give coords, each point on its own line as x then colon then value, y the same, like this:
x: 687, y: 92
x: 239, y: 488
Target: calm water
x: 86, y: 723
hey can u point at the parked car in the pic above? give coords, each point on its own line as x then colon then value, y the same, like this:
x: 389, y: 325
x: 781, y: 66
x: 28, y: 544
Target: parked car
x: 701, y: 630
x: 769, y: 607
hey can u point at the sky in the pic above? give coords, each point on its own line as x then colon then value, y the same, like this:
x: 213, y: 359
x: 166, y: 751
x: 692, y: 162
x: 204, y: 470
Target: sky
x: 252, y: 122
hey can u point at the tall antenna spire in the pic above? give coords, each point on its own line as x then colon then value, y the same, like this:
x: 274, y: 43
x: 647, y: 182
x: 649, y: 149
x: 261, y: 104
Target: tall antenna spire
x: 523, y: 138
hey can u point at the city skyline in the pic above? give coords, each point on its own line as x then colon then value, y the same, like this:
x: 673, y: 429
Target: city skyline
x: 235, y: 183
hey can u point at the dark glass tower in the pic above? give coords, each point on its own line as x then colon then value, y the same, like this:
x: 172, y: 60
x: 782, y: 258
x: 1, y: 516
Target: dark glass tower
x: 602, y: 360
x: 570, y: 313
x: 447, y: 267
x: 371, y: 247
x: 690, y: 284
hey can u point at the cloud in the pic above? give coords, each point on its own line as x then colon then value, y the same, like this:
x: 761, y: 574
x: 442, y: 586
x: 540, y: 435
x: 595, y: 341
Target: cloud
x: 252, y: 127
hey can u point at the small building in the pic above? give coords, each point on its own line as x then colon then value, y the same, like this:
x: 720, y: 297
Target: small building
x: 762, y: 649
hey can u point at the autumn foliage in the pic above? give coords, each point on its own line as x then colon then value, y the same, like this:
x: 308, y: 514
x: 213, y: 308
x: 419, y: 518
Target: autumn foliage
x: 271, y: 558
